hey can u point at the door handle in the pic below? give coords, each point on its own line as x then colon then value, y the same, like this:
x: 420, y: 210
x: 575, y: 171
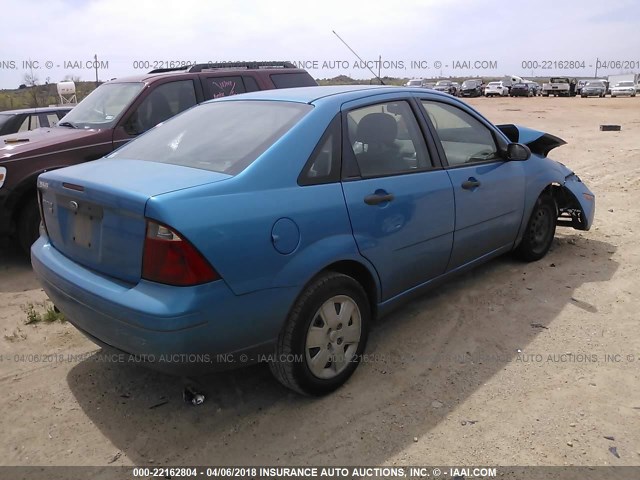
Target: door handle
x: 378, y: 198
x: 470, y: 184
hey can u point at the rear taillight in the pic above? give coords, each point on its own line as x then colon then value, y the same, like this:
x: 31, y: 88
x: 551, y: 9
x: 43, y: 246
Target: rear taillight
x: 170, y: 259
x: 43, y: 225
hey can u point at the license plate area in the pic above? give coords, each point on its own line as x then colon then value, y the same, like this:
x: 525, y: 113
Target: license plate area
x: 84, y: 220
x: 82, y: 233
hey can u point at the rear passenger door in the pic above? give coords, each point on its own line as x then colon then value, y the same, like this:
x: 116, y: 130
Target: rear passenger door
x: 400, y: 201
x: 489, y: 191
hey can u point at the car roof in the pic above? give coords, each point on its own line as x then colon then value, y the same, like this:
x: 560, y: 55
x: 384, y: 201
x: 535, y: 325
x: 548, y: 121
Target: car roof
x: 153, y: 76
x: 36, y: 110
x: 342, y: 93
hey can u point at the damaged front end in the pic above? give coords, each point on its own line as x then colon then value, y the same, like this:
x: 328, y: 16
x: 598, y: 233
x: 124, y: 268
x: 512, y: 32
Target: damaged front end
x: 576, y: 203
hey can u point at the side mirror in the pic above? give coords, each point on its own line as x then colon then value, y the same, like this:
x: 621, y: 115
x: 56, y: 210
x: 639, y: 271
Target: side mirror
x: 518, y: 152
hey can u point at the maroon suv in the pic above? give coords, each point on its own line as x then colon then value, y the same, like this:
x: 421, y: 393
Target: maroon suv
x: 110, y: 116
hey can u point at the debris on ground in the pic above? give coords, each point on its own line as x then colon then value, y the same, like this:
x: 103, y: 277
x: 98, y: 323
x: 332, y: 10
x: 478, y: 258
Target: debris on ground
x: 115, y: 457
x: 539, y: 325
x: 191, y: 396
x: 614, y: 451
x: 159, y: 404
x: 609, y: 438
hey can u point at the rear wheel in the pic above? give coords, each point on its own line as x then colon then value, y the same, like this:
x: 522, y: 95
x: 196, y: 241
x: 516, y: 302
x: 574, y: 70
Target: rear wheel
x: 324, y: 336
x: 538, y: 236
x: 29, y: 225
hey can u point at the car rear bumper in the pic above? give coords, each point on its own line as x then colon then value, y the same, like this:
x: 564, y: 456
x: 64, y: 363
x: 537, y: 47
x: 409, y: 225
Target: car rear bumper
x: 176, y: 329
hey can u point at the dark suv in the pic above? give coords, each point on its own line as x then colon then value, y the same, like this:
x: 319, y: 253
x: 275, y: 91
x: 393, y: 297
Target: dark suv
x: 110, y: 116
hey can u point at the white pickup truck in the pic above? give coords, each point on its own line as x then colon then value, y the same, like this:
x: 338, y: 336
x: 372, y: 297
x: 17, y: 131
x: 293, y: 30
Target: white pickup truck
x: 558, y: 87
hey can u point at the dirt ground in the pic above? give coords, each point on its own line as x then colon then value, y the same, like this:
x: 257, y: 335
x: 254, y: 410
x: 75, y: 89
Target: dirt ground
x: 511, y: 364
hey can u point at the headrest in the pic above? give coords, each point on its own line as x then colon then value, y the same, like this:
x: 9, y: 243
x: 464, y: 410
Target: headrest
x: 377, y: 128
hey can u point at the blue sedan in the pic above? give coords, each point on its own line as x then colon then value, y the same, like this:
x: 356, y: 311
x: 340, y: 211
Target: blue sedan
x: 274, y: 226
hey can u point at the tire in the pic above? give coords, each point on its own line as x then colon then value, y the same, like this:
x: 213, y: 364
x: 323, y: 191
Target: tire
x: 541, y: 228
x: 317, y: 309
x: 28, y: 225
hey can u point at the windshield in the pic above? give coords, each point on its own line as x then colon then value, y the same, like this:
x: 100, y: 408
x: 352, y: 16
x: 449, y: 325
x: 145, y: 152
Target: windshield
x: 219, y: 136
x: 493, y: 84
x: 469, y: 84
x: 442, y: 83
x: 103, y: 106
x: 625, y: 84
x: 415, y: 82
x: 595, y: 84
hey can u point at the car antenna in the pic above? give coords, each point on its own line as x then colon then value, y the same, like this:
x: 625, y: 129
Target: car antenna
x: 353, y: 51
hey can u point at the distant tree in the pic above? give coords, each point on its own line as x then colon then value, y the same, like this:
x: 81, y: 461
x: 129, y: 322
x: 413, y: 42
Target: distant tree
x: 31, y: 80
x: 72, y: 78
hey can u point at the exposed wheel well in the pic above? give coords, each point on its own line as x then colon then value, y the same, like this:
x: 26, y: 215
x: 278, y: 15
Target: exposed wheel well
x: 569, y: 210
x: 361, y: 274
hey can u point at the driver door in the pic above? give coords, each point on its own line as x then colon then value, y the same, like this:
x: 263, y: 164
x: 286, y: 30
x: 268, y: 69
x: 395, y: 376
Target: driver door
x: 160, y: 104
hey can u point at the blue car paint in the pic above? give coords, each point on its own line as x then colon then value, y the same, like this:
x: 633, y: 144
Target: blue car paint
x: 234, y: 229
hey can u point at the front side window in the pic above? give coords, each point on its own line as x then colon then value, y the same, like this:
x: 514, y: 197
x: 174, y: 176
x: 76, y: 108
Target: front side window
x: 386, y: 140
x: 464, y: 139
x: 219, y: 136
x: 164, y: 102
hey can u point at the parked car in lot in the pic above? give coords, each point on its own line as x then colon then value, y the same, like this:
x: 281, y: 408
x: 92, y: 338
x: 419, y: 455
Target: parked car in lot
x: 535, y: 88
x: 471, y: 88
x: 25, y: 119
x: 447, y: 86
x: 558, y: 87
x: 280, y: 223
x: 593, y: 89
x: 521, y: 90
x: 496, y: 89
x: 621, y: 89
x: 416, y: 82
x: 111, y: 116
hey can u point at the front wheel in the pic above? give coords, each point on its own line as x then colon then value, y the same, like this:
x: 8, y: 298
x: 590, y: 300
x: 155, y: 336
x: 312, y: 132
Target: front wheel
x: 28, y: 225
x: 324, y: 336
x: 541, y: 228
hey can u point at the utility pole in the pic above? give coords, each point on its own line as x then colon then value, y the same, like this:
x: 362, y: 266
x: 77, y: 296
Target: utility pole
x: 95, y: 64
x: 597, y: 61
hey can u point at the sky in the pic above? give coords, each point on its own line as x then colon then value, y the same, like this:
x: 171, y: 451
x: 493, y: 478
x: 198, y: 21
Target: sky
x: 458, y: 38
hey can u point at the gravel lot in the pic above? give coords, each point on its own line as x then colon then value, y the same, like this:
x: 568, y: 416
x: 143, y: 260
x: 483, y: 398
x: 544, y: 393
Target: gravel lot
x: 445, y: 383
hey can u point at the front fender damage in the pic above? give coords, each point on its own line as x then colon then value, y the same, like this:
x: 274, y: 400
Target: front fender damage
x: 576, y: 203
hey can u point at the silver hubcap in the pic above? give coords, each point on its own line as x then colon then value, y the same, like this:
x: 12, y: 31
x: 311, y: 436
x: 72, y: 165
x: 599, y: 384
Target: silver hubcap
x: 333, y: 337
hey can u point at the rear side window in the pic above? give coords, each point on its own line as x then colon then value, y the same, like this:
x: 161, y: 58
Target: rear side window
x: 219, y: 136
x: 225, y: 86
x: 289, y: 80
x: 324, y: 164
x: 250, y: 84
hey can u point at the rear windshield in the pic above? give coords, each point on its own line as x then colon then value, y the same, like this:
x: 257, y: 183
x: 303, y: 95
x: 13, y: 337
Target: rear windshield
x: 219, y: 136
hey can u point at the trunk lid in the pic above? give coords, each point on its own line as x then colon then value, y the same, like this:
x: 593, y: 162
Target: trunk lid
x: 94, y: 212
